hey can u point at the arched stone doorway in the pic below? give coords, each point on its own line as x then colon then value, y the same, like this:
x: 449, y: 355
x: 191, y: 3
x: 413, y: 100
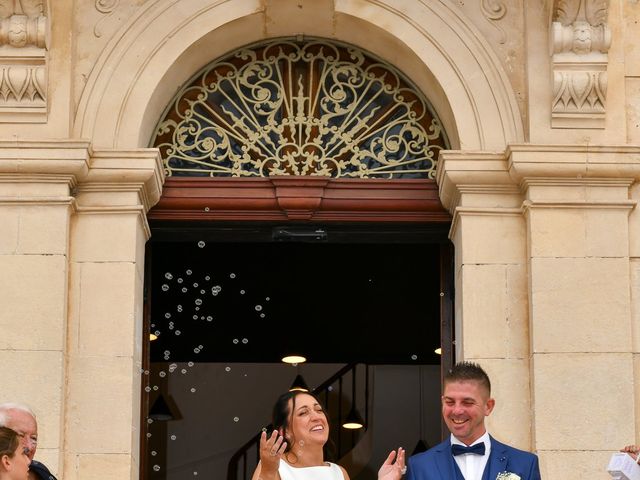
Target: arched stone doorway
x: 296, y: 139
x: 137, y: 74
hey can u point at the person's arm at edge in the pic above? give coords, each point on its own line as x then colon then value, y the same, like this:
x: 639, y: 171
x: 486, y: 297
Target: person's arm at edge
x: 633, y: 451
x: 344, y: 473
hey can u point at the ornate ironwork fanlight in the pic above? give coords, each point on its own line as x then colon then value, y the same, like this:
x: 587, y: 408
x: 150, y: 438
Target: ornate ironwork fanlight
x: 300, y: 108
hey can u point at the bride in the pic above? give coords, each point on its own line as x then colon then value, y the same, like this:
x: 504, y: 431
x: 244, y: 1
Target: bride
x: 294, y: 451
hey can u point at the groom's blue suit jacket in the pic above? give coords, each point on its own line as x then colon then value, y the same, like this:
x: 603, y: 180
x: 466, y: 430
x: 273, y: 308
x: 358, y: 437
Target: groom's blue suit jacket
x: 438, y: 463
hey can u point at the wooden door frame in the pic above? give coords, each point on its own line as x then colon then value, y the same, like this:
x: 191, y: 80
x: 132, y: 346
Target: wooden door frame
x: 285, y: 198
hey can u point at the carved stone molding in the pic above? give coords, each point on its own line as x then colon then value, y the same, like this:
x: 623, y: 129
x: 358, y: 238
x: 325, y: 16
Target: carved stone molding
x: 106, y: 7
x: 580, y: 40
x: 23, y: 60
x: 494, y: 10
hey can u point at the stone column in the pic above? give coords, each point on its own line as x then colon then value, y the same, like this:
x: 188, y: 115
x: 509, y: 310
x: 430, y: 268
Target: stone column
x: 491, y: 308
x: 36, y: 204
x: 577, y: 209
x: 108, y: 235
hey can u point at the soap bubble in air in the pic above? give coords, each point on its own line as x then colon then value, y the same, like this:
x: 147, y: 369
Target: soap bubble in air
x: 168, y: 276
x: 165, y: 287
x: 156, y: 468
x: 201, y: 244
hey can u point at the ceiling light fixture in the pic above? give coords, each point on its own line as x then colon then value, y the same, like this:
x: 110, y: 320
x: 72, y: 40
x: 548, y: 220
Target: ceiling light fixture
x: 293, y: 359
x: 160, y: 410
x: 354, y: 420
x: 152, y: 337
x: 438, y: 351
x: 299, y: 384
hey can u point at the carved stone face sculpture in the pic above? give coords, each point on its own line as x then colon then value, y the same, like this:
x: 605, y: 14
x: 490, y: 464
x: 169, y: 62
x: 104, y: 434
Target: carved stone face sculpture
x: 581, y: 37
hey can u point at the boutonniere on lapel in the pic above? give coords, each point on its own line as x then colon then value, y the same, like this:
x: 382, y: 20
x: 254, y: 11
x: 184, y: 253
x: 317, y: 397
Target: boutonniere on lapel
x: 507, y: 476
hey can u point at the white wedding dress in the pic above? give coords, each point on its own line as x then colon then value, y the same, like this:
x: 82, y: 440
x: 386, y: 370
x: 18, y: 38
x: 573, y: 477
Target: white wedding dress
x: 330, y: 471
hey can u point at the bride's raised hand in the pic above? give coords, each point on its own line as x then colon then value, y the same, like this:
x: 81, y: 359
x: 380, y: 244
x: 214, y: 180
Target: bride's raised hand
x: 271, y: 449
x: 391, y: 470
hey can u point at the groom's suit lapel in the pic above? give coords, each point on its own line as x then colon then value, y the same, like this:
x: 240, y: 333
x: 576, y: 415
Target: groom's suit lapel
x: 497, y: 460
x: 445, y: 463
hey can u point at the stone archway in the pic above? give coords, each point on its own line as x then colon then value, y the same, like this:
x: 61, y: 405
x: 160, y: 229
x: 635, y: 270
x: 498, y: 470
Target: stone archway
x: 137, y: 73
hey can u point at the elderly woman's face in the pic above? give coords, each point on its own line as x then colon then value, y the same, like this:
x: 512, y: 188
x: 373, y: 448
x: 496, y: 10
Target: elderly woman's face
x: 308, y: 422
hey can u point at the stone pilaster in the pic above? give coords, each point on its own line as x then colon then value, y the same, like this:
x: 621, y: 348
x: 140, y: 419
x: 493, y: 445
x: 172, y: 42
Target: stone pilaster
x: 577, y: 205
x: 491, y: 315
x: 36, y: 205
x: 108, y: 235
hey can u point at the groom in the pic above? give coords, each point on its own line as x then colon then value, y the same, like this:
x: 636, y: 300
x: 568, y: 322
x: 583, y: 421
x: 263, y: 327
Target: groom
x: 470, y: 453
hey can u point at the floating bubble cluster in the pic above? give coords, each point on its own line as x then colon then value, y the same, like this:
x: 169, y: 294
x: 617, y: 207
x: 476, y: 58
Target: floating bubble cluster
x: 200, y: 295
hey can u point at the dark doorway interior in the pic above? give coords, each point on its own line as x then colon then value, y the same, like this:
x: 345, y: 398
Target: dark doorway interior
x: 231, y: 298
x: 332, y: 302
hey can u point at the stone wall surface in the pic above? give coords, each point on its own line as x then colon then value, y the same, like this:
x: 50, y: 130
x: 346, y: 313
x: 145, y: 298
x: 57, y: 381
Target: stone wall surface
x: 541, y: 102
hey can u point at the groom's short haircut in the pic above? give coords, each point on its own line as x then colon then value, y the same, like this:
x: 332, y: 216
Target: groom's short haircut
x: 468, y: 371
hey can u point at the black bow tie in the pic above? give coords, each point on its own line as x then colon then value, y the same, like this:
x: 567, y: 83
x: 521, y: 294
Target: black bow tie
x: 477, y: 449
